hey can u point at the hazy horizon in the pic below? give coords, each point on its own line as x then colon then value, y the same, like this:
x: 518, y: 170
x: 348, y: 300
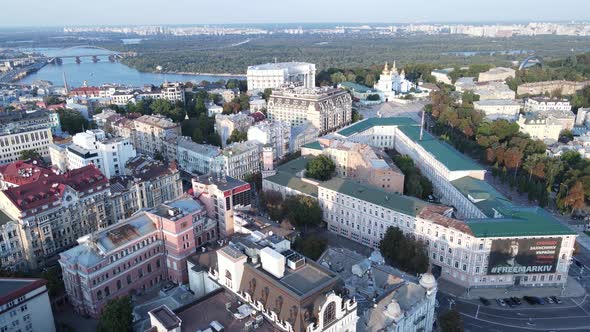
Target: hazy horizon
x: 59, y: 13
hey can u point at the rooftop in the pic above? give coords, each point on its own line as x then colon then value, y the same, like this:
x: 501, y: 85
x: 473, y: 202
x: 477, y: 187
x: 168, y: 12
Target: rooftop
x: 356, y: 87
x: 223, y: 183
x: 13, y: 288
x: 157, y: 121
x: 375, y: 122
x: 166, y: 317
x: 280, y: 65
x: 202, y: 149
x: 404, y: 204
x: 287, y: 176
x: 519, y: 221
x: 443, y: 152
x: 123, y: 233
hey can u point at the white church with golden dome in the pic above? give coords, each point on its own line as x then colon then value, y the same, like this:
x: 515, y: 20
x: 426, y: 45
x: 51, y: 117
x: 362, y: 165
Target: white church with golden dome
x: 392, y: 83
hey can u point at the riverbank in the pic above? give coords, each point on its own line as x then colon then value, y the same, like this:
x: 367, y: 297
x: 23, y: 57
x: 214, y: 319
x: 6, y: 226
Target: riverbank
x: 203, y: 74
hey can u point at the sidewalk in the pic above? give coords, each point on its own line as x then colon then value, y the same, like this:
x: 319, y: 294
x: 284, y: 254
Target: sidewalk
x: 572, y: 289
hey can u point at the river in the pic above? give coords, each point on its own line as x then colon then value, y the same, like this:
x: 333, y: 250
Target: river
x: 101, y: 72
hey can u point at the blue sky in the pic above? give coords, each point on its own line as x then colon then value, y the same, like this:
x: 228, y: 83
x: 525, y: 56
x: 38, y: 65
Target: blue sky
x: 119, y: 12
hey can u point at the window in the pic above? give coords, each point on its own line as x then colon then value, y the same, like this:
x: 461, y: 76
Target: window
x: 330, y: 313
x: 119, y: 284
x: 23, y: 307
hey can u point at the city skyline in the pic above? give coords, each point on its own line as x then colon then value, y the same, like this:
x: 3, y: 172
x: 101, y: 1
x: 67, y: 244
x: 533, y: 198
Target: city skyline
x: 306, y: 11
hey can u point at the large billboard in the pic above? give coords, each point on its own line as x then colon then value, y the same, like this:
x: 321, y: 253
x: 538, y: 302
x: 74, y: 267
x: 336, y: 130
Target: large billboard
x: 522, y: 256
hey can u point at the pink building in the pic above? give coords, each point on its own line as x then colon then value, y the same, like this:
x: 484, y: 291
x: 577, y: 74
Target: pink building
x: 135, y: 254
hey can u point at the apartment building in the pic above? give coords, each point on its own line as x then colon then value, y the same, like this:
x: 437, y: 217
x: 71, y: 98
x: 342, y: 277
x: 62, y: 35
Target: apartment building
x: 536, y: 104
x: 27, y: 131
x: 226, y: 124
x: 539, y: 88
x: 546, y: 125
x: 325, y: 108
x: 274, y: 75
x: 22, y: 172
x: 359, y: 162
x: 197, y: 158
x: 222, y: 197
x: 495, y: 109
x: 295, y: 294
x: 109, y: 155
x: 496, y: 74
x: 135, y: 255
x: 148, y: 183
x: 47, y: 216
x: 150, y: 132
x: 25, y: 306
x: 239, y: 160
x: 274, y: 134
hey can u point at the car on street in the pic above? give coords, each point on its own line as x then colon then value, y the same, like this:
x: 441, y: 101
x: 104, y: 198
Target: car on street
x: 539, y: 300
x: 556, y: 300
x: 501, y: 302
x: 484, y: 301
x: 548, y: 300
x: 516, y: 300
x: 509, y: 302
x: 530, y: 300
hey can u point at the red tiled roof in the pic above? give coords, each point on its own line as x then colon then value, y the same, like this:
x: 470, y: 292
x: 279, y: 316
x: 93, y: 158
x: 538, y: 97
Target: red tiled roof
x: 23, y: 172
x: 258, y: 116
x: 50, y: 189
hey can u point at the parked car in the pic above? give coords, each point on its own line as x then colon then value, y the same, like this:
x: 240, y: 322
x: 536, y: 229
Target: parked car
x: 501, y: 302
x: 556, y: 300
x: 509, y: 302
x: 484, y: 301
x: 539, y: 300
x: 530, y: 300
x: 548, y: 300
x: 516, y: 300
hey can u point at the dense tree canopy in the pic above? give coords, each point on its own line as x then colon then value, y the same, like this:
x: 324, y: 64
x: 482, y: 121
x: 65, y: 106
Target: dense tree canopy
x: 302, y: 211
x: 404, y: 251
x: 451, y: 321
x: 72, y: 121
x: 320, y: 168
x: 415, y: 184
x: 117, y: 315
x: 237, y: 136
x: 29, y: 154
x: 311, y: 246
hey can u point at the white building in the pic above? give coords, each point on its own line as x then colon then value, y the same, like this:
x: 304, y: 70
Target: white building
x: 274, y: 75
x: 495, y: 109
x: 240, y: 159
x: 92, y: 147
x: 276, y: 134
x: 325, y: 108
x: 535, y: 104
x: 546, y: 125
x: 392, y: 83
x: 20, y: 131
x: 150, y: 133
x: 197, y: 158
x: 25, y: 305
x: 468, y: 251
x: 213, y: 110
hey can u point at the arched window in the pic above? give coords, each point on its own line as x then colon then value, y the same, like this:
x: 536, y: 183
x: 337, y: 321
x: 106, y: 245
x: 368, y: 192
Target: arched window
x: 107, y: 291
x: 330, y: 313
x: 99, y: 295
x: 119, y: 284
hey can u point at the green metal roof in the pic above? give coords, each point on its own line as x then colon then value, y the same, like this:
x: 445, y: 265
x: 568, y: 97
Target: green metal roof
x: 403, y: 204
x: 443, y: 152
x: 487, y: 199
x: 287, y: 176
x: 313, y: 145
x: 372, y: 122
x: 519, y: 221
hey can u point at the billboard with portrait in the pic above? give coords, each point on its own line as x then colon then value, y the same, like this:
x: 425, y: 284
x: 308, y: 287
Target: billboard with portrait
x: 522, y: 256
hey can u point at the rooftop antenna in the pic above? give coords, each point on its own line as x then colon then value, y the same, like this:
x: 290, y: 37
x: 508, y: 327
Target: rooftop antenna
x: 422, y: 125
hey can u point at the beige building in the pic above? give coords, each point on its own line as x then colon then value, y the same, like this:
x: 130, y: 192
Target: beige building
x: 359, y: 162
x: 326, y: 108
x: 540, y: 88
x: 150, y: 132
x: 544, y: 126
x: 497, y: 74
x: 226, y: 124
x: 47, y: 216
